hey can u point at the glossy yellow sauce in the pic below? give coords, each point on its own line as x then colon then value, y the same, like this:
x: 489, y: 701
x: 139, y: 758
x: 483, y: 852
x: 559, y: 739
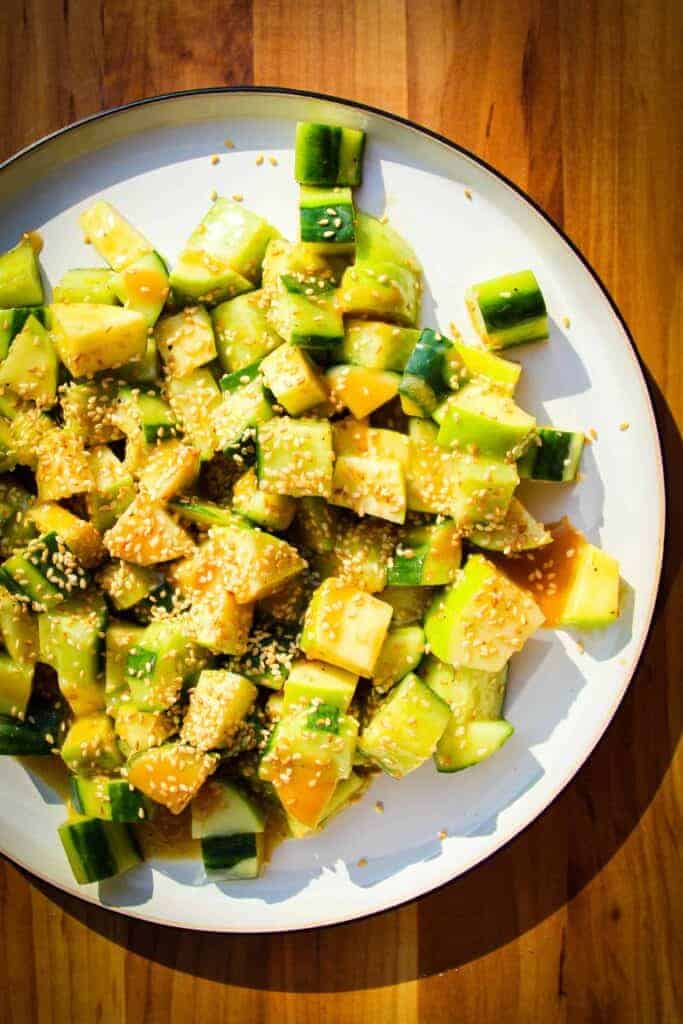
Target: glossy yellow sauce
x: 547, y: 573
x: 168, y: 836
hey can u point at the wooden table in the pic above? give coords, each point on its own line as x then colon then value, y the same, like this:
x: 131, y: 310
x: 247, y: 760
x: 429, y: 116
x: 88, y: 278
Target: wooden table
x: 578, y: 919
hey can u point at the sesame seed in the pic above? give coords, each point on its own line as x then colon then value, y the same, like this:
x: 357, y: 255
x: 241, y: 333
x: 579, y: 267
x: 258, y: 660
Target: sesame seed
x: 259, y: 159
x: 625, y: 425
x: 215, y: 159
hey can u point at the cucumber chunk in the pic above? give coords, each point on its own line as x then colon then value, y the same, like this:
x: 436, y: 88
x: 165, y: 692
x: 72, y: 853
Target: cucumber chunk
x: 193, y: 400
x: 270, y: 652
x: 186, y: 341
x: 243, y: 333
x: 171, y: 774
x: 293, y: 378
x: 345, y: 627
x: 426, y: 556
x: 235, y: 856
x: 117, y: 241
x: 113, y: 490
x: 222, y: 257
x: 80, y: 536
x: 20, y: 283
x: 219, y: 703
x: 377, y: 345
x: 97, y: 849
x: 295, y: 457
x: 142, y: 286
x: 360, y: 554
x: 401, y: 653
x: 89, y: 284
x: 108, y: 799
x: 31, y: 367
x: 370, y: 486
x: 481, y: 419
x: 300, y: 288
x: 428, y: 372
x: 554, y: 456
x: 271, y: 511
x: 326, y: 219
x: 91, y: 338
x: 314, y: 682
x: 225, y: 808
x: 385, y: 282
x: 45, y: 572
x: 328, y: 154
x: 481, y: 619
x: 146, y: 534
x: 19, y: 628
x: 406, y: 727
x: 90, y: 745
x: 508, y: 310
x: 519, y: 531
x: 16, y: 682
x: 161, y: 663
x: 12, y: 321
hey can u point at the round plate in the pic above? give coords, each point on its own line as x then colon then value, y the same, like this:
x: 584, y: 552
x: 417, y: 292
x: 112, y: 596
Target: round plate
x: 153, y: 161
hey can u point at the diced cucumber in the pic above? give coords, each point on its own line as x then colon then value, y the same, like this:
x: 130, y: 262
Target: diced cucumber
x: 240, y: 411
x: 113, y: 491
x: 272, y: 511
x: 428, y: 372
x: 161, y: 663
x: 126, y: 585
x: 98, y: 849
x: 326, y: 218
x: 81, y: 537
x: 355, y: 437
x: 471, y: 694
x: 45, y: 572
x: 193, y: 400
x: 345, y: 627
x: 186, y: 341
x: 308, y: 753
x: 408, y: 604
x: 108, y: 799
x: 361, y: 552
x: 479, y: 362
x: 508, y: 310
x: 426, y: 556
x: 243, y: 333
x: 63, y: 468
x: 171, y: 467
x: 401, y: 653
x: 554, y: 455
x: 121, y: 637
x: 385, y: 282
x: 143, y: 369
x: 235, y: 856
x: 141, y: 730
x: 316, y: 525
x: 248, y: 562
x: 481, y: 419
x: 328, y: 154
x: 300, y: 287
x: 30, y: 369
x: 519, y: 531
x: 74, y: 633
x: 295, y: 457
x: 16, y: 681
x: 88, y: 411
x: 146, y: 413
x: 12, y: 322
x: 90, y: 745
x: 147, y: 534
x: 142, y: 286
x: 477, y: 742
x: 370, y: 486
x: 314, y: 682
x: 19, y: 739
x: 91, y: 338
x: 377, y: 345
x: 204, y: 513
x: 117, y: 241
x: 294, y: 380
x: 20, y: 283
x: 481, y: 619
x: 223, y: 256
x: 89, y: 284
x: 19, y: 628
x: 219, y: 703
x: 361, y: 390
x: 172, y: 774
x: 406, y: 727
x: 225, y: 808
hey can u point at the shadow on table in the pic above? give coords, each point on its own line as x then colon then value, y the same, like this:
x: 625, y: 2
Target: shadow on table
x: 531, y: 878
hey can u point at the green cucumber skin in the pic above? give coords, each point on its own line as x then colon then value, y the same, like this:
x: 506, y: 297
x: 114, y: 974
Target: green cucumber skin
x: 238, y: 378
x: 326, y: 154
x: 121, y: 803
x: 424, y: 379
x: 13, y: 320
x: 313, y: 231
x: 88, y: 851
x: 408, y: 571
x: 224, y: 853
x: 556, y: 459
x: 510, y: 300
x: 20, y: 739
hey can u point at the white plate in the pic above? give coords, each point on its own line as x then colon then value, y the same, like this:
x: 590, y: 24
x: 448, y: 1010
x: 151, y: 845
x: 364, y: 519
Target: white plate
x: 153, y: 161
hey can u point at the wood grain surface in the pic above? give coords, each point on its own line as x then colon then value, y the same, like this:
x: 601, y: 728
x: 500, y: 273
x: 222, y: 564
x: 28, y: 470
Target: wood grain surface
x: 580, y: 918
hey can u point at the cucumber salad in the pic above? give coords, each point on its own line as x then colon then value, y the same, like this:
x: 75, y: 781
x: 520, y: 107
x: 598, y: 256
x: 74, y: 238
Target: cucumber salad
x: 260, y: 536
